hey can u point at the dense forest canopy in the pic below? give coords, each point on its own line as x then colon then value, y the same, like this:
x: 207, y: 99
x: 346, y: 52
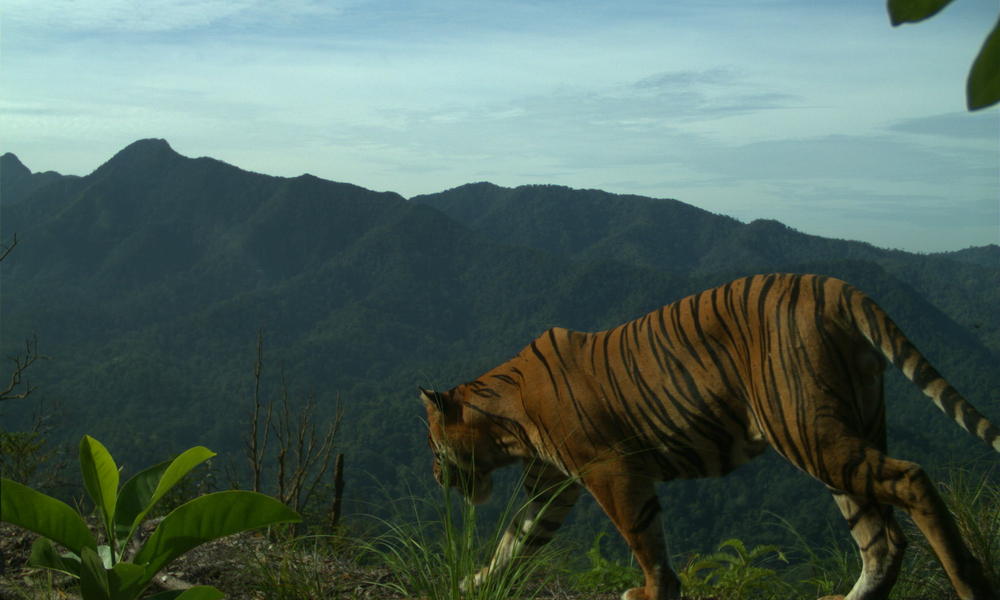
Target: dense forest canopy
x: 147, y: 281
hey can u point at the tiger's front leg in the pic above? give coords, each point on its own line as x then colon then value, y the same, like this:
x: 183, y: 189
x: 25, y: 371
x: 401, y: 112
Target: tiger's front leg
x: 550, y: 496
x: 629, y: 499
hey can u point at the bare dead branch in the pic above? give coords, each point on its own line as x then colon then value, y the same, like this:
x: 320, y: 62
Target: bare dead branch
x: 325, y: 451
x: 257, y: 440
x: 300, y: 456
x: 338, y: 493
x: 6, y: 249
x: 18, y: 387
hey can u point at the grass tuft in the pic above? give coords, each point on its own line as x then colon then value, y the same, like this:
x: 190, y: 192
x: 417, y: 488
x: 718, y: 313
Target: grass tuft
x: 434, y: 548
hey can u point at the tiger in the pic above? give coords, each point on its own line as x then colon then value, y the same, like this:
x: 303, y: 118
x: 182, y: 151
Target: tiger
x: 695, y: 389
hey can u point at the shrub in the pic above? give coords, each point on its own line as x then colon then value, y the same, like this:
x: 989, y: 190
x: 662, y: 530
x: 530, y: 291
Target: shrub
x: 102, y: 569
x: 733, y: 573
x: 605, y: 575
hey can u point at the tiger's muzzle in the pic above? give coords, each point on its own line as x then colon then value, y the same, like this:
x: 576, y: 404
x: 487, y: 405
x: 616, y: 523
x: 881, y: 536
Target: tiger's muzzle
x: 474, y: 484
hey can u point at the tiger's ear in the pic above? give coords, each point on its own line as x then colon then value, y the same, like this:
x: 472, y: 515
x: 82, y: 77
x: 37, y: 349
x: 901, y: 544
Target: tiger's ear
x: 433, y: 399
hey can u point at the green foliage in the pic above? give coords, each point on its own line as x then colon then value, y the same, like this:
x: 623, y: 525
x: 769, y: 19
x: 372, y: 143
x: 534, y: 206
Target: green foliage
x: 983, y: 83
x: 604, y: 575
x: 28, y: 456
x: 21, y: 454
x: 733, y: 573
x: 436, y: 557
x: 102, y: 570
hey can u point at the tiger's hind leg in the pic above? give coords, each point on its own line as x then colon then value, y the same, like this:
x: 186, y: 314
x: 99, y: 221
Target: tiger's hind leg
x: 880, y: 541
x: 838, y: 437
x: 862, y: 471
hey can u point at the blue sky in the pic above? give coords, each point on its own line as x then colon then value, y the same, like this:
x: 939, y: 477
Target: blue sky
x: 818, y: 114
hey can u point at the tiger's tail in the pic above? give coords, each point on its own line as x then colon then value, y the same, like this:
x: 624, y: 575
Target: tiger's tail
x: 885, y: 336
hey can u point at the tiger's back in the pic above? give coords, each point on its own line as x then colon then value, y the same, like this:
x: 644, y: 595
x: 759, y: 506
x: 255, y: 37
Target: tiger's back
x: 695, y: 388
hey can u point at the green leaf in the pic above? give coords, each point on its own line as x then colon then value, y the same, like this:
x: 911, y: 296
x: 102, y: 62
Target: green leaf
x: 134, y: 499
x: 93, y: 576
x: 207, y: 518
x: 44, y: 555
x: 198, y: 592
x: 912, y: 11
x: 44, y: 515
x: 100, y: 477
x: 141, y: 493
x: 983, y: 87
x: 127, y: 581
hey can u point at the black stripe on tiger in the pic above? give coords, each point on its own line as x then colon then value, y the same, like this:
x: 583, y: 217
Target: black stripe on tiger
x: 647, y: 515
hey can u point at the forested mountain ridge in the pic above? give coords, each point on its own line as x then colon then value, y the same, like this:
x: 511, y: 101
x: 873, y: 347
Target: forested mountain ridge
x: 671, y: 236
x: 147, y: 280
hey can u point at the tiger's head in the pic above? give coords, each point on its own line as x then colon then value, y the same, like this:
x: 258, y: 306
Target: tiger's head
x: 465, y: 453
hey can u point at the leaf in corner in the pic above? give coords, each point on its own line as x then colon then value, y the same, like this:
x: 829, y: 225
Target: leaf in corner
x: 983, y: 87
x: 912, y: 11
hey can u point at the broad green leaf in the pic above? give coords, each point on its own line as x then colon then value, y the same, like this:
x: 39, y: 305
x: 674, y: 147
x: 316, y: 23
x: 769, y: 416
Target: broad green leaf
x: 45, y: 555
x: 198, y: 592
x: 911, y: 11
x: 127, y: 581
x: 100, y: 477
x: 44, y: 515
x: 207, y: 518
x: 93, y: 576
x: 134, y: 499
x: 983, y: 87
x: 139, y: 496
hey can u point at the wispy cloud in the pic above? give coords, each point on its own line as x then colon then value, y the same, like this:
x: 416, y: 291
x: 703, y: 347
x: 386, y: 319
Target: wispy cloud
x: 128, y: 16
x: 670, y: 80
x: 984, y: 125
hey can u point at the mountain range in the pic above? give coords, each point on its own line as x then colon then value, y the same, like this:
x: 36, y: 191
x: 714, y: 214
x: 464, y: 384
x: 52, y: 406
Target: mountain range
x: 147, y: 281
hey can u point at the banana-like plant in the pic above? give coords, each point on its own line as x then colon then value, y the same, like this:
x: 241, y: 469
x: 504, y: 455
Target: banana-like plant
x: 110, y: 571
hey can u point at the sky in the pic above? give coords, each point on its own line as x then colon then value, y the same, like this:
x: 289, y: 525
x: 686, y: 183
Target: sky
x: 818, y: 114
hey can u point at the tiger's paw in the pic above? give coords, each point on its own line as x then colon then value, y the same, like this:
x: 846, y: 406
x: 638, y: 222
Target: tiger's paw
x: 636, y: 594
x: 472, y: 582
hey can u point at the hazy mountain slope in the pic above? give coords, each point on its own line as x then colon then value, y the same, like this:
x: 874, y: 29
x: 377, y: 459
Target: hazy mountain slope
x: 587, y: 224
x: 987, y: 256
x: 671, y: 236
x: 18, y: 182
